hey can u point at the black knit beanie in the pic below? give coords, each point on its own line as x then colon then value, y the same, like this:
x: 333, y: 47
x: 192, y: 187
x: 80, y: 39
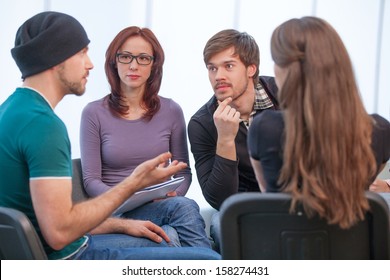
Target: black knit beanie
x: 45, y: 40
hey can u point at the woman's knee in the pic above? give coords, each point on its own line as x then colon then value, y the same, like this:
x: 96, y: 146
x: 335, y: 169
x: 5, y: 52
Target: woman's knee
x: 186, y: 203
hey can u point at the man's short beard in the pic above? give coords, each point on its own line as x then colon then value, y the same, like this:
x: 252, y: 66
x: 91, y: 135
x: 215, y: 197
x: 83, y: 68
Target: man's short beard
x: 71, y: 87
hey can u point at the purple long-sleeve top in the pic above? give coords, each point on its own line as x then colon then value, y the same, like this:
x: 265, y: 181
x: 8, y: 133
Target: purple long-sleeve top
x: 112, y: 147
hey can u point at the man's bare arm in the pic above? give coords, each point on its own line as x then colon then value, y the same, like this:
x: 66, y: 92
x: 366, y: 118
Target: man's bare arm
x: 62, y: 222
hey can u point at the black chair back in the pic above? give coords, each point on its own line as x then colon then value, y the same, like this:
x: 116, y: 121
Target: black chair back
x: 18, y: 238
x: 260, y: 226
x: 78, y: 191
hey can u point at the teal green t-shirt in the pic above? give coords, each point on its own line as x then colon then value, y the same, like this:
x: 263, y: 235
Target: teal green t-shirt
x: 34, y: 143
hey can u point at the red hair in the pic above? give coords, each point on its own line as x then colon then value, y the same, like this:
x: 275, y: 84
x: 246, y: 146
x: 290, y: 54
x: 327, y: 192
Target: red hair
x: 150, y: 98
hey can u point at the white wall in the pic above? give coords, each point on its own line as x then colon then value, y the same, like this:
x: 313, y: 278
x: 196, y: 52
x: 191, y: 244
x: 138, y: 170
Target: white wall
x: 183, y: 27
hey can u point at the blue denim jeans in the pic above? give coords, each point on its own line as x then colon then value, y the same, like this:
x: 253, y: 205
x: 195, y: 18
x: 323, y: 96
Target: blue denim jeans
x: 180, y: 213
x: 114, y: 247
x: 215, y: 231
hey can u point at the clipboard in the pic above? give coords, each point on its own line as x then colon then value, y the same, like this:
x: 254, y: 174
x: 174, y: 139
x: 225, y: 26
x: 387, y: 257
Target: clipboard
x: 148, y: 194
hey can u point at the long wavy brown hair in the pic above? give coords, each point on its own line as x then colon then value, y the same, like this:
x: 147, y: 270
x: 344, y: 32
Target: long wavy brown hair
x: 328, y: 161
x: 150, y: 100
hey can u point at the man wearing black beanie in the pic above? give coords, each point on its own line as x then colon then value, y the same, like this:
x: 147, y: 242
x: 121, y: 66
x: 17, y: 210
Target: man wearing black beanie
x: 46, y: 40
x: 51, y: 51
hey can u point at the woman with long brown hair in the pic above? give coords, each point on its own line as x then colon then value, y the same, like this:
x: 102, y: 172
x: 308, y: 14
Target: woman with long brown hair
x: 322, y: 147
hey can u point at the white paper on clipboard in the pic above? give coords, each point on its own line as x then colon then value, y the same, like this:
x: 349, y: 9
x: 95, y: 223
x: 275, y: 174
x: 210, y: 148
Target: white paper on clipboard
x: 148, y: 194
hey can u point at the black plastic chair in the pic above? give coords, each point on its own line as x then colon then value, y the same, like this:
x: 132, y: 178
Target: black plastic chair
x: 18, y: 238
x: 78, y: 191
x: 260, y: 226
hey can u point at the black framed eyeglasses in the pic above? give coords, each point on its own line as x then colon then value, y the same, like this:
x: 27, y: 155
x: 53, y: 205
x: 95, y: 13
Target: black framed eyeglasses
x: 127, y: 58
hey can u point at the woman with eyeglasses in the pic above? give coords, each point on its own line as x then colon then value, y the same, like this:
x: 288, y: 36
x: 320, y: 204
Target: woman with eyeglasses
x: 322, y: 147
x: 132, y: 124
